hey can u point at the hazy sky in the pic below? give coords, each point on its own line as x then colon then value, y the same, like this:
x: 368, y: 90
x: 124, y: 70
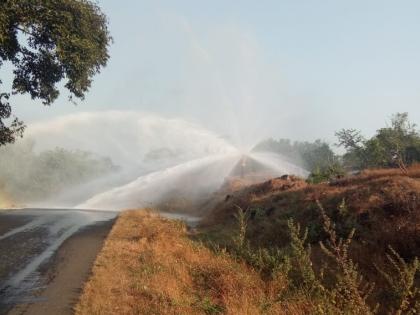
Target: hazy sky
x: 297, y: 69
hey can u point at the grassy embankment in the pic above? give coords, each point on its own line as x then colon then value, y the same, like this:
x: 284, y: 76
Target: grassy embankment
x: 149, y: 266
x: 260, y: 261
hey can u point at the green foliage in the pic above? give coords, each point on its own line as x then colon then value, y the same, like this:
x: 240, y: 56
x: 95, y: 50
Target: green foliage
x: 8, y: 133
x: 209, y: 307
x: 317, y: 157
x: 302, y: 273
x: 29, y: 176
x: 242, y: 219
x: 350, y: 291
x: 47, y: 41
x: 350, y: 139
x: 293, y: 261
x: 285, y: 147
x: 268, y: 261
x: 327, y: 173
x: 336, y: 288
x: 403, y: 296
x: 311, y: 155
x: 397, y: 145
x: 271, y: 262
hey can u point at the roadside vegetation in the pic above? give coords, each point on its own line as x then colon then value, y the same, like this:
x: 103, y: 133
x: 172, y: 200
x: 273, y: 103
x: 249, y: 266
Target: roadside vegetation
x: 45, y: 43
x: 239, y: 265
x: 149, y: 265
x: 28, y: 176
x: 331, y: 244
x: 317, y: 157
x: 395, y: 146
x: 329, y: 280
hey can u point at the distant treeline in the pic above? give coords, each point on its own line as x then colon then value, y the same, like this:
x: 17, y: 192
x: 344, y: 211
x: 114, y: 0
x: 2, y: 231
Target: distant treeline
x: 310, y: 155
x: 396, y: 145
x: 29, y: 176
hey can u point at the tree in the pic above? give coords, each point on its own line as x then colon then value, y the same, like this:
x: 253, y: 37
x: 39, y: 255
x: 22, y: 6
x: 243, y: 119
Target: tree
x: 401, y: 141
x: 353, y: 142
x: 47, y: 41
x: 350, y: 139
x: 310, y: 155
x: 396, y: 145
x: 317, y: 155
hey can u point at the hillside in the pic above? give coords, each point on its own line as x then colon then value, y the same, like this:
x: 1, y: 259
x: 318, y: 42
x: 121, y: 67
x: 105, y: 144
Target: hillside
x: 247, y: 257
x: 383, y: 206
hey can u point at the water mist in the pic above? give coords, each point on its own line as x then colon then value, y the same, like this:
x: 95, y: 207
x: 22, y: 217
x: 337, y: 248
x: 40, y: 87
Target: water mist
x: 159, y: 158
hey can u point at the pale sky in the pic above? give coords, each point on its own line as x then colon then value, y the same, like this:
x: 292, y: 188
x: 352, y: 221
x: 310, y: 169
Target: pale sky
x: 296, y: 69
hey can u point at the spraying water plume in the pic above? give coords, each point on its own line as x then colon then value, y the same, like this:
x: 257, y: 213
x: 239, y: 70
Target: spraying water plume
x: 161, y: 159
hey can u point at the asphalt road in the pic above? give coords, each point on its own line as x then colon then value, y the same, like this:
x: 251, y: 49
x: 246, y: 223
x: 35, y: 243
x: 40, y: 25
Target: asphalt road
x: 45, y: 257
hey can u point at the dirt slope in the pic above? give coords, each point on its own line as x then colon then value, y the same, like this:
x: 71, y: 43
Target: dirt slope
x: 382, y: 205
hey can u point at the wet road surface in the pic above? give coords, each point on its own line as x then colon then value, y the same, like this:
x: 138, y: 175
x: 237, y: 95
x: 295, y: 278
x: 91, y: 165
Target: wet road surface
x: 38, y: 247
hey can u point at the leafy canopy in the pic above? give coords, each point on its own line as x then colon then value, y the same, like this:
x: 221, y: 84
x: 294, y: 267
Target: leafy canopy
x: 47, y: 41
x: 310, y: 155
x: 395, y: 145
x: 317, y: 157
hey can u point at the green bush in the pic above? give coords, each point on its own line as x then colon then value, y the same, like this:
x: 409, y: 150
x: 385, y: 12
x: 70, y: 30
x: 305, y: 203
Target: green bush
x: 336, y: 288
x: 327, y: 173
x: 395, y: 146
x: 403, y: 295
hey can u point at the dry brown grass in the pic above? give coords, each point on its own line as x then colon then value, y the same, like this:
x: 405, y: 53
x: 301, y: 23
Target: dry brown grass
x: 149, y: 266
x: 383, y: 206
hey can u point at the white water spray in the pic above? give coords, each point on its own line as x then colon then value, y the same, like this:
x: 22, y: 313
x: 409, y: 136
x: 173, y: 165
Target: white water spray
x: 190, y: 179
x: 129, y: 138
x: 278, y: 164
x: 160, y: 158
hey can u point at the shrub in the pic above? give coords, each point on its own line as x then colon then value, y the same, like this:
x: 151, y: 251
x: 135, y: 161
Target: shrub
x: 302, y: 274
x: 403, y: 295
x: 326, y: 173
x: 343, y: 289
x: 350, y: 292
